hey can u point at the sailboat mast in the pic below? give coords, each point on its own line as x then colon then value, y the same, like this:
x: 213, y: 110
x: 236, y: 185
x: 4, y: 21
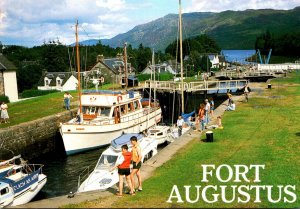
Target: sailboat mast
x: 181, y: 57
x: 78, y: 68
x: 125, y: 63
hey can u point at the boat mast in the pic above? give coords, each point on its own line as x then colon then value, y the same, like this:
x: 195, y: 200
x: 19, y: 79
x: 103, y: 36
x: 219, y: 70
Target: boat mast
x: 78, y: 69
x: 181, y: 59
x: 125, y: 63
x: 153, y: 64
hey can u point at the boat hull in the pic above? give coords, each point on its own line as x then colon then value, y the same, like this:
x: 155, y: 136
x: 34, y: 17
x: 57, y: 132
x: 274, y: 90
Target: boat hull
x: 82, y: 137
x: 29, y: 193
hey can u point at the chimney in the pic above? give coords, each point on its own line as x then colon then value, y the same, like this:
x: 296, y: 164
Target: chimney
x: 100, y: 58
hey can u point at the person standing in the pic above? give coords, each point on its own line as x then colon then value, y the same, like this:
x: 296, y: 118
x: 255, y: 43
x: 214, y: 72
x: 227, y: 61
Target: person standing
x: 212, y: 106
x: 4, y: 113
x: 180, y: 122
x: 67, y: 100
x: 123, y: 164
x: 201, y: 117
x: 246, y: 92
x: 137, y: 162
x: 207, y: 111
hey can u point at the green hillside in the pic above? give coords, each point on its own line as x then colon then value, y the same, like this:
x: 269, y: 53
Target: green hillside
x: 231, y: 29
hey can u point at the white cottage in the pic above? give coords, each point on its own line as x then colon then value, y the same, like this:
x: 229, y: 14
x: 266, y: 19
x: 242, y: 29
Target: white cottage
x: 165, y: 67
x: 61, y: 81
x: 8, y: 79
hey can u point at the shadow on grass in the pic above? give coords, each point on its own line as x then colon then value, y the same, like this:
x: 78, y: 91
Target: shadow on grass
x: 297, y: 134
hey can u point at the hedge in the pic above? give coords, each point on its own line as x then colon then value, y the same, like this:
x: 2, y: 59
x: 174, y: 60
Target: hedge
x: 35, y: 93
x: 4, y: 98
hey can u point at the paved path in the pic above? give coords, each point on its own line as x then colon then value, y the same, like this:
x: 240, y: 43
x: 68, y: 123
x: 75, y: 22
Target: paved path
x: 147, y: 169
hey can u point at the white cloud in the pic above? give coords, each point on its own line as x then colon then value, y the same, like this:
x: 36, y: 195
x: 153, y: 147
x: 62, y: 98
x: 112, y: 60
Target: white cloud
x: 221, y: 5
x: 111, y: 5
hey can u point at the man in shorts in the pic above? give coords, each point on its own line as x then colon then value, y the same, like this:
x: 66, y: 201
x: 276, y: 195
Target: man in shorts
x: 123, y: 164
x: 136, y: 159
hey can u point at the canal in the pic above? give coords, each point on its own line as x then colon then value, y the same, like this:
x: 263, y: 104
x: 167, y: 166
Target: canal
x: 63, y: 171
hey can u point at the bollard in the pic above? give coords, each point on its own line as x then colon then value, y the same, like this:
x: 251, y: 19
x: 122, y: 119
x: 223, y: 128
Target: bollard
x: 269, y: 86
x: 209, y: 136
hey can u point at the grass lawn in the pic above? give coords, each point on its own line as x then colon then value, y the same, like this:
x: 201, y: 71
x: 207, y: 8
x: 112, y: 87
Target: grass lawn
x: 263, y: 131
x: 35, y: 108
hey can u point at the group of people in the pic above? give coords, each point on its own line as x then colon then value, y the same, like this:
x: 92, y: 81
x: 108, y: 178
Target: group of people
x: 4, y: 113
x: 124, y: 163
x: 205, y: 112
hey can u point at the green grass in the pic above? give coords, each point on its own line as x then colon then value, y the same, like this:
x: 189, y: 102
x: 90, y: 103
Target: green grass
x: 262, y: 131
x: 36, y: 108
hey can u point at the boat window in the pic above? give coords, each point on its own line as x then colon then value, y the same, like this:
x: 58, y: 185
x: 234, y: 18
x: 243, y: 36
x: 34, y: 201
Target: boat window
x: 106, y: 161
x: 123, y: 109
x: 4, y: 191
x: 104, y: 111
x: 136, y: 105
x: 130, y: 107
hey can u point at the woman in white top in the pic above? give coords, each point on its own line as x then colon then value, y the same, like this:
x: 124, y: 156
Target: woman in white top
x: 4, y: 113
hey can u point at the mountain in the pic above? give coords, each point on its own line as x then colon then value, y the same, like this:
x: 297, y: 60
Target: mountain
x: 231, y: 29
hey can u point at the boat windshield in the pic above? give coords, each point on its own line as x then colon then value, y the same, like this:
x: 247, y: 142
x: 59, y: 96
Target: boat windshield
x: 106, y: 161
x: 95, y: 110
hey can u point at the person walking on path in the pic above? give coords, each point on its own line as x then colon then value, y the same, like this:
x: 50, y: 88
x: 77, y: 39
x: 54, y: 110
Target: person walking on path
x: 201, y: 117
x: 212, y: 106
x: 207, y: 111
x: 4, y: 113
x: 136, y: 161
x: 67, y: 100
x: 123, y: 164
x: 180, y: 122
x: 246, y: 92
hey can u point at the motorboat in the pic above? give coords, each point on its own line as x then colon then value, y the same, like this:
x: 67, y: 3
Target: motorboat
x: 105, y: 116
x: 102, y: 178
x: 161, y: 133
x: 19, y: 183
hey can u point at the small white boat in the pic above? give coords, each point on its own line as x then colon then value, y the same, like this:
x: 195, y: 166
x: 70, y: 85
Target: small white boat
x: 102, y: 178
x: 161, y: 133
x: 19, y: 183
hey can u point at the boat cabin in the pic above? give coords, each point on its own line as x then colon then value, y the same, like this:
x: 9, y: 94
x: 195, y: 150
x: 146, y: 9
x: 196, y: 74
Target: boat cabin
x: 6, y: 194
x: 106, y: 106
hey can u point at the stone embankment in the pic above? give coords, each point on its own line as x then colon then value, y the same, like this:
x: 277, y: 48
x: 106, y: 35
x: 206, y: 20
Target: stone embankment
x: 34, y: 138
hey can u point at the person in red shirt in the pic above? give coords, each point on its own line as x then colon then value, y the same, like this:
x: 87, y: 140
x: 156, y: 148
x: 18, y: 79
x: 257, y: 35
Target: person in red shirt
x: 123, y: 164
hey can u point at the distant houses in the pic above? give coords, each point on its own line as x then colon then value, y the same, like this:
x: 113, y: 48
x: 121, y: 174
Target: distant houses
x: 109, y: 70
x: 165, y: 67
x: 8, y: 79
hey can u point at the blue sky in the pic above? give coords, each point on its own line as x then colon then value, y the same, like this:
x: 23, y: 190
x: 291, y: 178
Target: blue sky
x: 31, y: 22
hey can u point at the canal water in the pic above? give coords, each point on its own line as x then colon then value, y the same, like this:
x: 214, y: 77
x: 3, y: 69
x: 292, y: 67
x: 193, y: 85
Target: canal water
x: 63, y: 171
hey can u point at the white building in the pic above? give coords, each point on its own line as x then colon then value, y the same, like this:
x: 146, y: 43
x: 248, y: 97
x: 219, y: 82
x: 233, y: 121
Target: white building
x: 60, y: 81
x: 8, y: 79
x: 164, y: 67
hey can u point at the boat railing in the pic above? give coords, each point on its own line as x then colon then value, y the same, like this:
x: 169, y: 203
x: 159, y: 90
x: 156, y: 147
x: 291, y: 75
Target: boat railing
x: 83, y: 175
x: 33, y: 167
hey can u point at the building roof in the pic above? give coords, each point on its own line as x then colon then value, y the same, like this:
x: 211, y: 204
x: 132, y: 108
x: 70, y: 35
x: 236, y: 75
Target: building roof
x: 5, y: 64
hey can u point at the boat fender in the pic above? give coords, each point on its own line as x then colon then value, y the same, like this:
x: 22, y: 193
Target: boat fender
x: 119, y: 98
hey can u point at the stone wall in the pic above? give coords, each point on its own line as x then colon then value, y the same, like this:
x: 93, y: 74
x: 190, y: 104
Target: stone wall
x: 34, y: 138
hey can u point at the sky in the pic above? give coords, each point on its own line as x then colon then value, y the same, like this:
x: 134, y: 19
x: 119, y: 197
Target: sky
x: 33, y: 22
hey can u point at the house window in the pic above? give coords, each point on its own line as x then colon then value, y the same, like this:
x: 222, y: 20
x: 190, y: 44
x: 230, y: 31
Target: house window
x: 46, y: 82
x: 58, y: 82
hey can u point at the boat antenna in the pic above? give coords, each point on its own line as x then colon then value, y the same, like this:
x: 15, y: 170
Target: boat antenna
x: 78, y: 69
x: 181, y: 58
x: 125, y: 63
